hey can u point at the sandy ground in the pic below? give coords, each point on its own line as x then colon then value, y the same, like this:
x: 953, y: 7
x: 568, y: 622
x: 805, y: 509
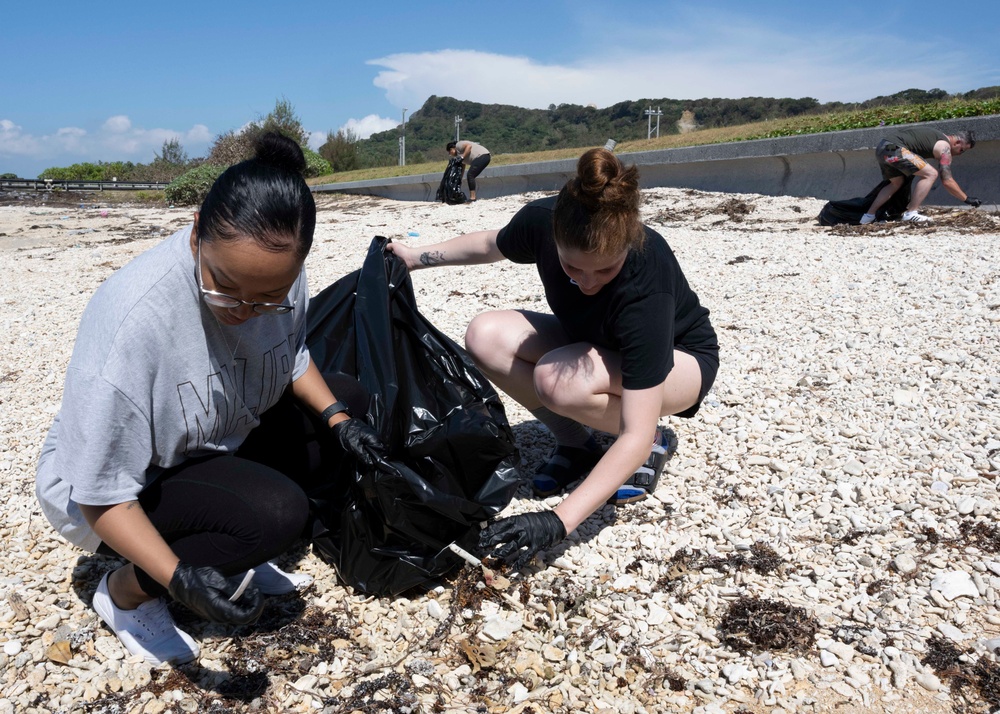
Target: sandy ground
x: 854, y: 420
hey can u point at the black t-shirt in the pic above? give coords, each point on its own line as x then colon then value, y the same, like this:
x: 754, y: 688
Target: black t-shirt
x: 920, y: 140
x: 643, y: 313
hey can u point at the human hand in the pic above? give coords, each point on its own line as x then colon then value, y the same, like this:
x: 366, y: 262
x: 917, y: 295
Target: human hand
x: 206, y: 591
x: 356, y: 437
x: 974, y: 202
x: 409, y: 256
x: 531, y: 532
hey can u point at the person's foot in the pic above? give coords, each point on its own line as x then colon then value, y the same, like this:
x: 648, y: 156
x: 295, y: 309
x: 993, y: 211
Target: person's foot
x: 867, y: 218
x: 272, y: 580
x: 565, y: 465
x: 643, y: 482
x: 915, y: 217
x: 149, y: 630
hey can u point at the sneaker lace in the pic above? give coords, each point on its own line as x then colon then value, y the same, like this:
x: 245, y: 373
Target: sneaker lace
x: 154, y: 618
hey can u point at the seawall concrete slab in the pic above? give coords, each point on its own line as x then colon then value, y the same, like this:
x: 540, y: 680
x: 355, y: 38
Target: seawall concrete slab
x: 834, y: 165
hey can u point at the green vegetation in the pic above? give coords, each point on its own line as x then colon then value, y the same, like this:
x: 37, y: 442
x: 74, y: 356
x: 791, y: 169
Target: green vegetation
x: 192, y: 187
x: 984, y: 102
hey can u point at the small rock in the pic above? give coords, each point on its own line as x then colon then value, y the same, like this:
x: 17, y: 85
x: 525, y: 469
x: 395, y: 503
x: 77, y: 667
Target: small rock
x: 966, y: 506
x: 498, y: 628
x: 854, y: 467
x: 844, y: 652
x: 929, y: 681
x: 12, y: 647
x: 904, y: 398
x: 954, y: 584
x: 435, y: 610
x: 828, y: 659
x: 952, y: 632
x: 553, y: 654
x: 519, y: 692
x: 735, y: 672
x: 904, y: 563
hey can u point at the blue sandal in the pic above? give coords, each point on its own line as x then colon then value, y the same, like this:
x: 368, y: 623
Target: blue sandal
x: 566, y: 465
x: 643, y: 481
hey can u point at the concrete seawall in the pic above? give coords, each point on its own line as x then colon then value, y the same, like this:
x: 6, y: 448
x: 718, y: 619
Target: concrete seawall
x: 834, y: 165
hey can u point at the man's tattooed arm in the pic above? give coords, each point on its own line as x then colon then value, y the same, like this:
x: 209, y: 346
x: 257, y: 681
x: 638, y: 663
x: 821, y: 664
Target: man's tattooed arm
x: 945, y: 162
x: 435, y: 257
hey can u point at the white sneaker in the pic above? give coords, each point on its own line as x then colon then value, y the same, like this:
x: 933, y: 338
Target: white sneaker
x: 867, y: 218
x: 148, y: 630
x: 272, y: 580
x: 915, y: 217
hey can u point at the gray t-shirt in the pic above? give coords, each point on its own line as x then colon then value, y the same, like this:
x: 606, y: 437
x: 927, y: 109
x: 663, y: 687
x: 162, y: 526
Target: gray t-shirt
x: 155, y: 380
x: 476, y: 151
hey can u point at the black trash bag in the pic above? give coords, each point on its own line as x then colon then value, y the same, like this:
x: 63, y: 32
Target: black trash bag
x: 851, y: 209
x: 450, y: 191
x: 453, y: 460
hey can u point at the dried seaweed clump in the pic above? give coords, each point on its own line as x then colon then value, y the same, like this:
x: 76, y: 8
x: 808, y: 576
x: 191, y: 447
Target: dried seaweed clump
x: 986, y: 537
x: 982, y: 677
x: 736, y: 209
x: 390, y: 693
x: 754, y: 624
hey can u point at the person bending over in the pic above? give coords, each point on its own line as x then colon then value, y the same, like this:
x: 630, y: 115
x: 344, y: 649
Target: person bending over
x: 475, y: 156
x: 627, y: 343
x: 905, y: 155
x: 178, y: 356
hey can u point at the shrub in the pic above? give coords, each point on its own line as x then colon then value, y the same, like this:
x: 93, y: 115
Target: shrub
x: 192, y: 187
x: 316, y: 165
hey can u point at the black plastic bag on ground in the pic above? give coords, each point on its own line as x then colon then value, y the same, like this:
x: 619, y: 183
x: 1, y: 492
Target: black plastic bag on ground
x: 450, y: 191
x: 453, y: 460
x: 850, y: 210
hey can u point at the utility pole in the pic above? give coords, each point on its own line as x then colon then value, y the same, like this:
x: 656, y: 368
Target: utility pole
x: 402, y: 140
x: 458, y: 120
x: 649, y: 122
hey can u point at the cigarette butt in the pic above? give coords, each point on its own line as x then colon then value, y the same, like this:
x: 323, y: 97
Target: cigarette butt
x: 243, y: 586
x: 464, y: 554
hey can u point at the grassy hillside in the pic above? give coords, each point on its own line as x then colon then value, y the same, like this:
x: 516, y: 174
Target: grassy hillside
x: 803, y: 124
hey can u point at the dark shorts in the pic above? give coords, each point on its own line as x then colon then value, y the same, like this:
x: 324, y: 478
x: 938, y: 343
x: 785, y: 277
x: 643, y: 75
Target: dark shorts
x: 708, y: 363
x: 896, y: 160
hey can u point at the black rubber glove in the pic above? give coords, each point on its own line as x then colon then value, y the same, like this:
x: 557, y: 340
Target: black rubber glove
x: 974, y: 202
x: 206, y: 591
x: 531, y: 532
x: 356, y: 437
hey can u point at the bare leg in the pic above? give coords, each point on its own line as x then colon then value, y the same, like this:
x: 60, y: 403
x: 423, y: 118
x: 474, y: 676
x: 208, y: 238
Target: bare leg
x: 886, y: 193
x: 584, y: 382
x: 922, y: 182
x: 506, y: 345
x: 124, y: 588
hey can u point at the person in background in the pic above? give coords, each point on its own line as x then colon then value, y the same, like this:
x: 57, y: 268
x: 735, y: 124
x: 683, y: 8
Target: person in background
x: 905, y: 154
x: 475, y: 156
x: 627, y: 343
x: 178, y: 357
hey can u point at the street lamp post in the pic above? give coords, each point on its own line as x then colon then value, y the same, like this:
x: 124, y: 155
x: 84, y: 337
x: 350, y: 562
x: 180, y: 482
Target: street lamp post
x: 458, y: 120
x: 402, y: 140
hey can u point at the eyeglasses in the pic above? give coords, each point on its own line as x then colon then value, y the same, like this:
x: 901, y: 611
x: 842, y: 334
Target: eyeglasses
x: 218, y: 299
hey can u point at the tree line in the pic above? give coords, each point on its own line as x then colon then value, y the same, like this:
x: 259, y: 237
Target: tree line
x: 507, y: 129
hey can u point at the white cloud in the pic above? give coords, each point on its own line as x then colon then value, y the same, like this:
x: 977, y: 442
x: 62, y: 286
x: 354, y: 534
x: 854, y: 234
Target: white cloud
x: 118, y: 124
x: 701, y: 56
x: 315, y: 139
x: 116, y: 140
x: 371, y: 124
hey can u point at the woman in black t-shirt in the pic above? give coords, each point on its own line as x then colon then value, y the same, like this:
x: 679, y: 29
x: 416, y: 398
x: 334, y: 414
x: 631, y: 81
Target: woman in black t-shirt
x: 627, y: 343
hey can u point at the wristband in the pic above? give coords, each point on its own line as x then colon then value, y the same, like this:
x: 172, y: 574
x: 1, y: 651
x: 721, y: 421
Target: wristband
x: 336, y: 408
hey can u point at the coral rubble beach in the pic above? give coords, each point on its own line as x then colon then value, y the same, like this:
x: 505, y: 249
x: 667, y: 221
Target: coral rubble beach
x: 824, y: 540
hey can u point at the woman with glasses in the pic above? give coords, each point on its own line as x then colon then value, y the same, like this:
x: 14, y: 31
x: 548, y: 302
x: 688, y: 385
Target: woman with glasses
x: 158, y: 454
x: 627, y: 342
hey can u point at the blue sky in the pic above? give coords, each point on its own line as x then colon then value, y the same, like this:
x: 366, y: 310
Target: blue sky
x: 111, y: 81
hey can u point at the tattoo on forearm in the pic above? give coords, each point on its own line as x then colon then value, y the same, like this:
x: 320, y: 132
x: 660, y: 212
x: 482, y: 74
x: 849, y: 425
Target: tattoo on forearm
x: 432, y: 258
x: 946, y: 172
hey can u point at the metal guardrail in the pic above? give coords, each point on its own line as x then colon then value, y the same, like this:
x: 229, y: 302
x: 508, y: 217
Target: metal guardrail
x: 53, y: 185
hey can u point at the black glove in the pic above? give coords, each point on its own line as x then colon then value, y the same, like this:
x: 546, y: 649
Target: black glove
x: 206, y: 591
x: 356, y: 437
x: 531, y: 531
x: 974, y: 202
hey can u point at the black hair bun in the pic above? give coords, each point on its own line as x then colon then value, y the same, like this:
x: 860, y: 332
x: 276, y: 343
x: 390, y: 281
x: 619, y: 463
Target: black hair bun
x: 279, y: 151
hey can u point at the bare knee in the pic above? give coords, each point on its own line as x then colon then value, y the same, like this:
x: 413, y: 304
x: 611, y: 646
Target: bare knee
x: 485, y: 339
x: 559, y: 384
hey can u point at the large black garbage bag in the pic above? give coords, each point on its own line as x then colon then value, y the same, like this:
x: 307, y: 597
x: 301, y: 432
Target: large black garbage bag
x: 450, y: 190
x: 453, y: 461
x: 851, y: 209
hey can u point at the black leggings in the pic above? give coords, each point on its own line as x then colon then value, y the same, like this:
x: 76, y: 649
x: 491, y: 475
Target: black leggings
x: 475, y: 168
x: 235, y: 512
